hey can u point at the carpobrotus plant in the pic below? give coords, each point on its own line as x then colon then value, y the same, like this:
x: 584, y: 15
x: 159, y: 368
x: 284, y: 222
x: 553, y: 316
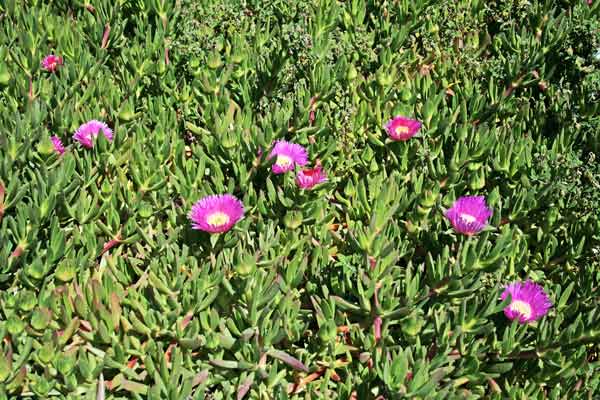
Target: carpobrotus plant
x: 287, y: 156
x: 216, y: 213
x: 88, y: 132
x: 119, y: 279
x: 402, y: 128
x: 310, y: 177
x: 51, y: 63
x: 469, y: 215
x: 528, y: 303
x: 58, y: 145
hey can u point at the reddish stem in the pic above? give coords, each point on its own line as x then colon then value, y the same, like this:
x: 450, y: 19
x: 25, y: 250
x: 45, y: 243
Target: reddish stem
x: 377, y: 328
x: 110, y: 244
x: 295, y: 387
x: 186, y: 320
x: 311, y: 116
x: 377, y: 321
x: 509, y: 90
x: 86, y: 326
x: 105, y: 35
x: 335, y: 377
x: 513, y: 85
x: 343, y: 329
x: 169, y: 351
x: 375, y: 294
x: 17, y: 252
x: 132, y: 362
x: 372, y: 262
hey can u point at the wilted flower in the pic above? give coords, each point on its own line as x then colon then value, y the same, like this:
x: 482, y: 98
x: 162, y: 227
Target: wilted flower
x: 402, y: 128
x: 529, y: 302
x: 216, y: 213
x: 469, y: 214
x: 308, y: 178
x: 51, y: 62
x: 90, y: 130
x: 57, y: 143
x: 288, y: 156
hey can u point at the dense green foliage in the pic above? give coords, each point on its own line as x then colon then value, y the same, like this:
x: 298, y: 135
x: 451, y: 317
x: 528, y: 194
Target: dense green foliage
x: 103, y: 280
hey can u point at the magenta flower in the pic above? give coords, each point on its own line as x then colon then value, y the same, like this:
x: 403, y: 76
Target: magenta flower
x: 529, y: 302
x: 57, y: 143
x: 90, y: 130
x: 308, y: 178
x: 402, y: 128
x: 216, y: 213
x: 51, y: 62
x: 469, y: 214
x: 288, y: 156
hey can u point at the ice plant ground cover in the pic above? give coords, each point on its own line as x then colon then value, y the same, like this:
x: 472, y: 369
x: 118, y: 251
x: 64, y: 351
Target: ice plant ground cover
x: 299, y: 199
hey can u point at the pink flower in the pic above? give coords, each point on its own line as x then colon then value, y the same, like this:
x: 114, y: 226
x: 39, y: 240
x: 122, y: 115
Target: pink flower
x: 58, y: 146
x: 529, y: 302
x: 216, y: 213
x: 402, y: 128
x: 308, y: 178
x: 288, y: 156
x: 90, y: 130
x: 469, y: 214
x: 51, y: 63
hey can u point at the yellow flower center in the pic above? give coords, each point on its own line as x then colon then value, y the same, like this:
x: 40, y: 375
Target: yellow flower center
x: 521, y: 307
x: 283, y: 161
x: 468, y: 218
x: 401, y: 130
x: 218, y: 218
